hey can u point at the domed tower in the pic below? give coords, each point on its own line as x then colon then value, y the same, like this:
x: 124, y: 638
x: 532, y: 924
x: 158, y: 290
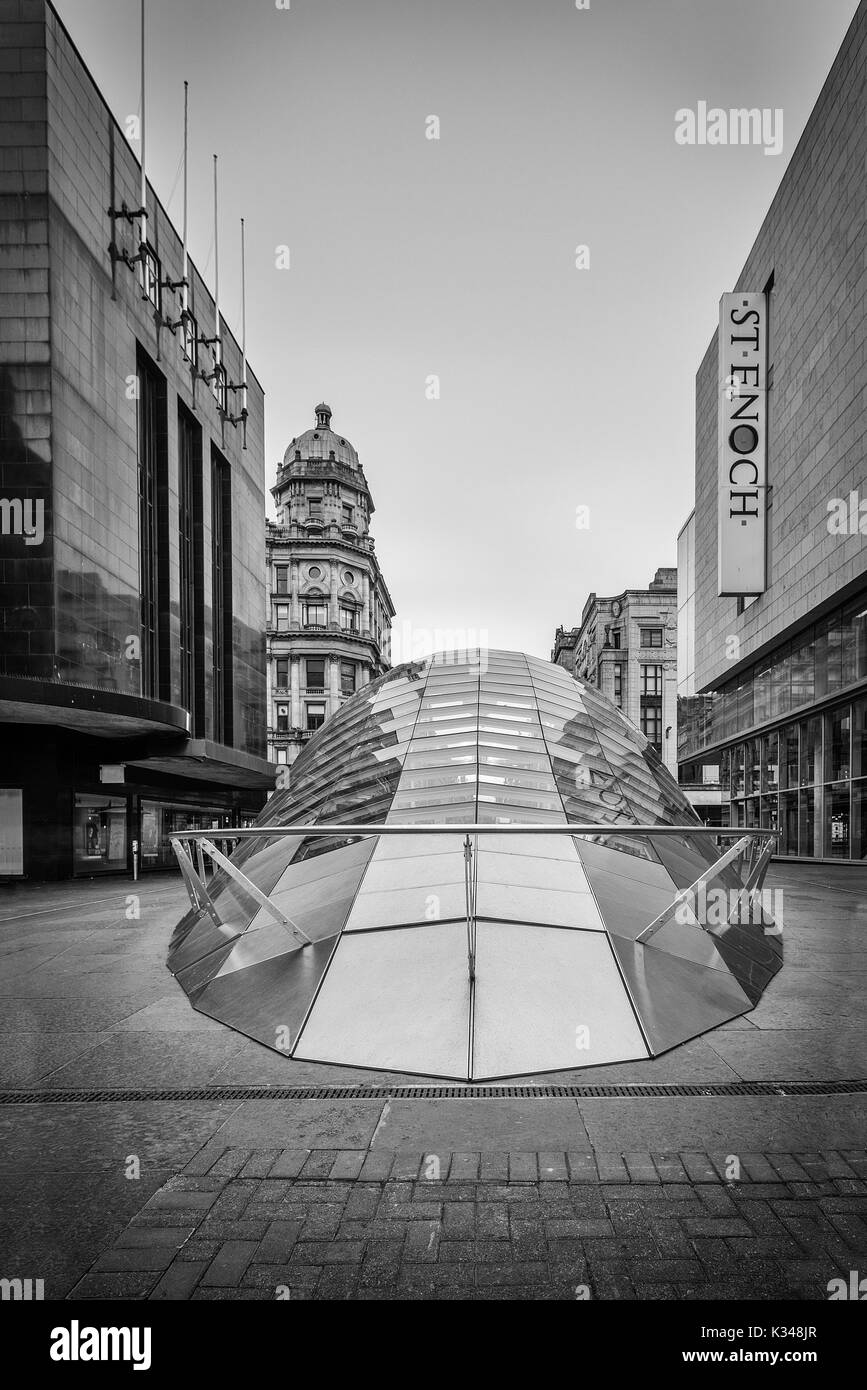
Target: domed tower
x: 330, y: 612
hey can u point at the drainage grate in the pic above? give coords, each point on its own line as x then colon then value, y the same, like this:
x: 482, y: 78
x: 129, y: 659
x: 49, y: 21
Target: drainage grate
x: 434, y: 1092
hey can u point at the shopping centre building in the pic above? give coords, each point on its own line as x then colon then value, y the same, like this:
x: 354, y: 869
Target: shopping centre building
x: 132, y: 498
x: 772, y: 565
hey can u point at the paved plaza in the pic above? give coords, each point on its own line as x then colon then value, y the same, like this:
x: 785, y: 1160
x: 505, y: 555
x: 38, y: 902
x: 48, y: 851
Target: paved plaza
x: 141, y: 1157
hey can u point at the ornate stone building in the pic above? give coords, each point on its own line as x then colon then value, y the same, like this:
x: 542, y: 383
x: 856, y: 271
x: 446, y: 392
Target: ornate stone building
x: 627, y: 646
x: 330, y: 613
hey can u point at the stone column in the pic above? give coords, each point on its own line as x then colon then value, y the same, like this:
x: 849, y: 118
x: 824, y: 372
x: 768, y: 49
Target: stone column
x: 296, y: 682
x: 294, y: 603
x: 333, y: 615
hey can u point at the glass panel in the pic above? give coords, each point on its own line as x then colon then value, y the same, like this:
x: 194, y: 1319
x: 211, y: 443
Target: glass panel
x: 752, y: 768
x: 789, y: 756
x: 807, y: 822
x: 838, y: 761
x: 854, y: 623
x: 738, y: 770
x: 811, y: 749
x: 99, y: 834
x: 859, y: 819
x: 762, y: 691
x: 802, y: 668
x: 859, y: 738
x: 770, y: 757
x: 788, y: 843
x: 781, y: 690
x: 837, y: 822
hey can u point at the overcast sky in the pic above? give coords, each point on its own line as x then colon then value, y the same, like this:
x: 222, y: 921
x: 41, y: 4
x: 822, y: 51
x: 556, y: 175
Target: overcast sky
x: 412, y: 257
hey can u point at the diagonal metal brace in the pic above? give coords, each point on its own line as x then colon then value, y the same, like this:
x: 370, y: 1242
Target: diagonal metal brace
x: 693, y: 890
x: 197, y: 889
x: 256, y: 893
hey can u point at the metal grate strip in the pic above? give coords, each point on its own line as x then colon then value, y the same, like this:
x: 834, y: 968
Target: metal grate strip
x: 108, y: 1095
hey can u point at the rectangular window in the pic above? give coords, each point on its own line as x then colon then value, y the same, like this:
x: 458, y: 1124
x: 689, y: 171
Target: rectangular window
x: 314, y: 508
x: 348, y: 514
x: 838, y: 739
x: 315, y: 716
x: 650, y: 636
x: 615, y: 638
x: 651, y: 680
x: 154, y: 570
x: 281, y: 579
x: 281, y: 677
x: 618, y: 685
x: 191, y: 566
x: 315, y: 615
x: 150, y: 275
x: 281, y: 617
x: 651, y: 725
x: 219, y: 387
x: 316, y: 673
x: 349, y: 619
x: 347, y: 677
x: 221, y: 597
x: 282, y: 719
x: 99, y: 834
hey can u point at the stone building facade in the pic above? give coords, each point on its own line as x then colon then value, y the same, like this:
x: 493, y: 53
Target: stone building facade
x: 330, y: 612
x: 627, y: 647
x: 780, y: 679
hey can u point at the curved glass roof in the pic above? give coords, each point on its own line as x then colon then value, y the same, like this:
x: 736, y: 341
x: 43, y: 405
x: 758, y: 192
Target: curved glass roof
x: 485, y: 955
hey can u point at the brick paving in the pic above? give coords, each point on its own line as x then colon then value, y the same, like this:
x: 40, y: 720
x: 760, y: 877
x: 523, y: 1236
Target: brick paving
x: 360, y: 1224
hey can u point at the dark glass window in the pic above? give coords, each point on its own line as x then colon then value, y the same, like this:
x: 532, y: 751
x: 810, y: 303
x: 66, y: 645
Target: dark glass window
x: 838, y: 759
x: 154, y: 571
x: 282, y: 719
x: 221, y: 597
x: 281, y: 579
x: 349, y: 619
x: 315, y: 615
x: 615, y: 638
x: 348, y: 514
x: 282, y: 672
x: 789, y: 756
x: 315, y: 716
x: 651, y: 636
x: 651, y: 724
x: 314, y: 508
x: 191, y: 567
x: 347, y: 677
x: 811, y: 751
x: 316, y: 673
x: 618, y: 684
x: 651, y: 680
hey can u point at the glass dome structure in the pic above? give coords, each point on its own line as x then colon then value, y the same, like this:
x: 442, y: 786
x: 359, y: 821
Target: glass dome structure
x: 481, y: 869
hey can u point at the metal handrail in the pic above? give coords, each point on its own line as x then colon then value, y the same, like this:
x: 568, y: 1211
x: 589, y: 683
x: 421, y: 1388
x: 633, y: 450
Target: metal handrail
x: 485, y: 828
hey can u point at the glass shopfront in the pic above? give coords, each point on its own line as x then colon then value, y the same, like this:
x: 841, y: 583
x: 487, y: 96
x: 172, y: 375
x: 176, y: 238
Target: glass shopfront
x: 161, y: 820
x: 811, y: 780
x: 99, y: 833
x: 822, y: 660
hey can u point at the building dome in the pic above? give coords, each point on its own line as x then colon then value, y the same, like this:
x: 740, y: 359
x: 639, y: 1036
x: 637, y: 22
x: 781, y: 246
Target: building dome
x: 495, y: 953
x: 321, y: 444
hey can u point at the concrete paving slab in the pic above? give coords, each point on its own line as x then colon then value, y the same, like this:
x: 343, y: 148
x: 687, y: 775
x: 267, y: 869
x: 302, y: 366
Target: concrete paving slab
x: 437, y: 1126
